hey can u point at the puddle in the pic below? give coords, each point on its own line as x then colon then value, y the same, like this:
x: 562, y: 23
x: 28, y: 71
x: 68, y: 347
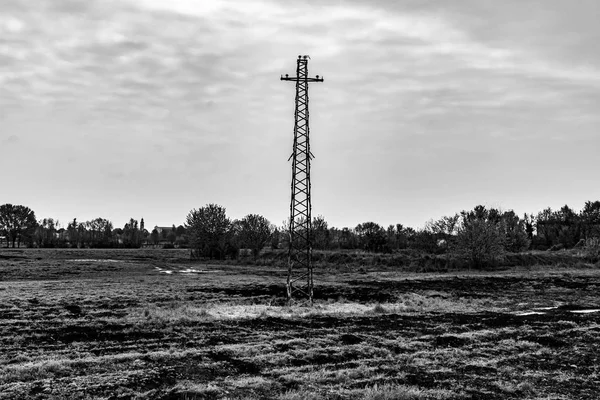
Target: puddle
x: 525, y: 313
x: 544, y: 310
x: 585, y: 311
x: 184, y: 271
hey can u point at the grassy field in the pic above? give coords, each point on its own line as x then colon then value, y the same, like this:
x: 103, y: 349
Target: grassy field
x: 150, y: 324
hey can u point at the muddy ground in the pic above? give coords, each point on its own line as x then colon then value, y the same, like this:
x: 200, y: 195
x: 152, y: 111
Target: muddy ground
x: 150, y: 324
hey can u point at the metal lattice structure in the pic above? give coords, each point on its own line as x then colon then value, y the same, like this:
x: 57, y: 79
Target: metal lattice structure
x: 300, y: 270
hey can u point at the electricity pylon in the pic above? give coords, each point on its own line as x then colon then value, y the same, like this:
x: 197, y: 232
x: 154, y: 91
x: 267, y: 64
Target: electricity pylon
x: 300, y: 270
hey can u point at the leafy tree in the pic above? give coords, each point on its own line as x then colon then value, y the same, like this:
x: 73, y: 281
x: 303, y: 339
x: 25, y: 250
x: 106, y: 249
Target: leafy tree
x: 546, y: 227
x: 529, y: 221
x: 46, y: 233
x: 209, y: 230
x: 17, y: 222
x: 515, y: 232
x: 391, y: 239
x: 81, y: 234
x: 73, y: 233
x: 480, y: 238
x: 172, y: 235
x: 371, y: 235
x: 559, y: 227
x: 132, y: 234
x: 154, y: 237
x: 423, y: 240
x: 275, y: 238
x: 570, y: 227
x: 320, y: 233
x: 96, y: 233
x: 255, y: 232
x: 348, y: 239
x: 590, y: 219
x: 398, y: 236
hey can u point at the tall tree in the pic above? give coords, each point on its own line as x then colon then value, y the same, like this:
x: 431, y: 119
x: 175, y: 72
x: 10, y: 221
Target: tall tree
x: 515, y: 232
x: 154, y: 237
x: 73, y: 233
x: 131, y: 234
x: 546, y: 227
x: 208, y: 228
x: 371, y: 235
x: 275, y: 238
x: 348, y: 239
x: 255, y: 232
x: 46, y: 233
x: 590, y: 219
x: 480, y: 238
x: 529, y: 221
x: 17, y: 222
x: 172, y: 235
x: 559, y: 227
x: 320, y: 233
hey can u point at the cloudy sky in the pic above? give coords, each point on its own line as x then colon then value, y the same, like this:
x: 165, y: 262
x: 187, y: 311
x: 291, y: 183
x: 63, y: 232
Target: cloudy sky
x: 149, y: 108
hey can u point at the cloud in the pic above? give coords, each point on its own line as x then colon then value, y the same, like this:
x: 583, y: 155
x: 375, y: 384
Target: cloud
x: 194, y: 84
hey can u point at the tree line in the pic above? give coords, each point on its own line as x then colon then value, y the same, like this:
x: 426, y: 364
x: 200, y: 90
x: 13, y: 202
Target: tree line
x: 18, y: 226
x: 479, y: 235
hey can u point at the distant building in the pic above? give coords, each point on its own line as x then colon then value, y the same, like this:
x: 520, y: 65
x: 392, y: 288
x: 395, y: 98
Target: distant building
x: 167, y: 235
x: 165, y: 229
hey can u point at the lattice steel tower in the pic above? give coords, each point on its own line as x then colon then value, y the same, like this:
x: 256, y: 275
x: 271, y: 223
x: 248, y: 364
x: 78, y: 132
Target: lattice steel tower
x: 300, y: 271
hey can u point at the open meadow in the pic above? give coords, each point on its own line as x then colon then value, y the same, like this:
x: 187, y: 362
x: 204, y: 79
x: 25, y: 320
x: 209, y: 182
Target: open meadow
x: 151, y: 324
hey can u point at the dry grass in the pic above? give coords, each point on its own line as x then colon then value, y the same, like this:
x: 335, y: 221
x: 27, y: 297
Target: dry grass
x: 125, y: 330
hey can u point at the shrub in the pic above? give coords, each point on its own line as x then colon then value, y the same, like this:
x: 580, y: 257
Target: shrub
x: 479, y: 241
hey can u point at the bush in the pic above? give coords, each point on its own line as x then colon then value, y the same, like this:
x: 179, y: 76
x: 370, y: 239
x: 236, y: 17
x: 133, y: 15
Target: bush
x: 479, y: 241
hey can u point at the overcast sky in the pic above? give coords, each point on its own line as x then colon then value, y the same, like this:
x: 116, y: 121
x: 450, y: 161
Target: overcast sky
x: 149, y: 108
